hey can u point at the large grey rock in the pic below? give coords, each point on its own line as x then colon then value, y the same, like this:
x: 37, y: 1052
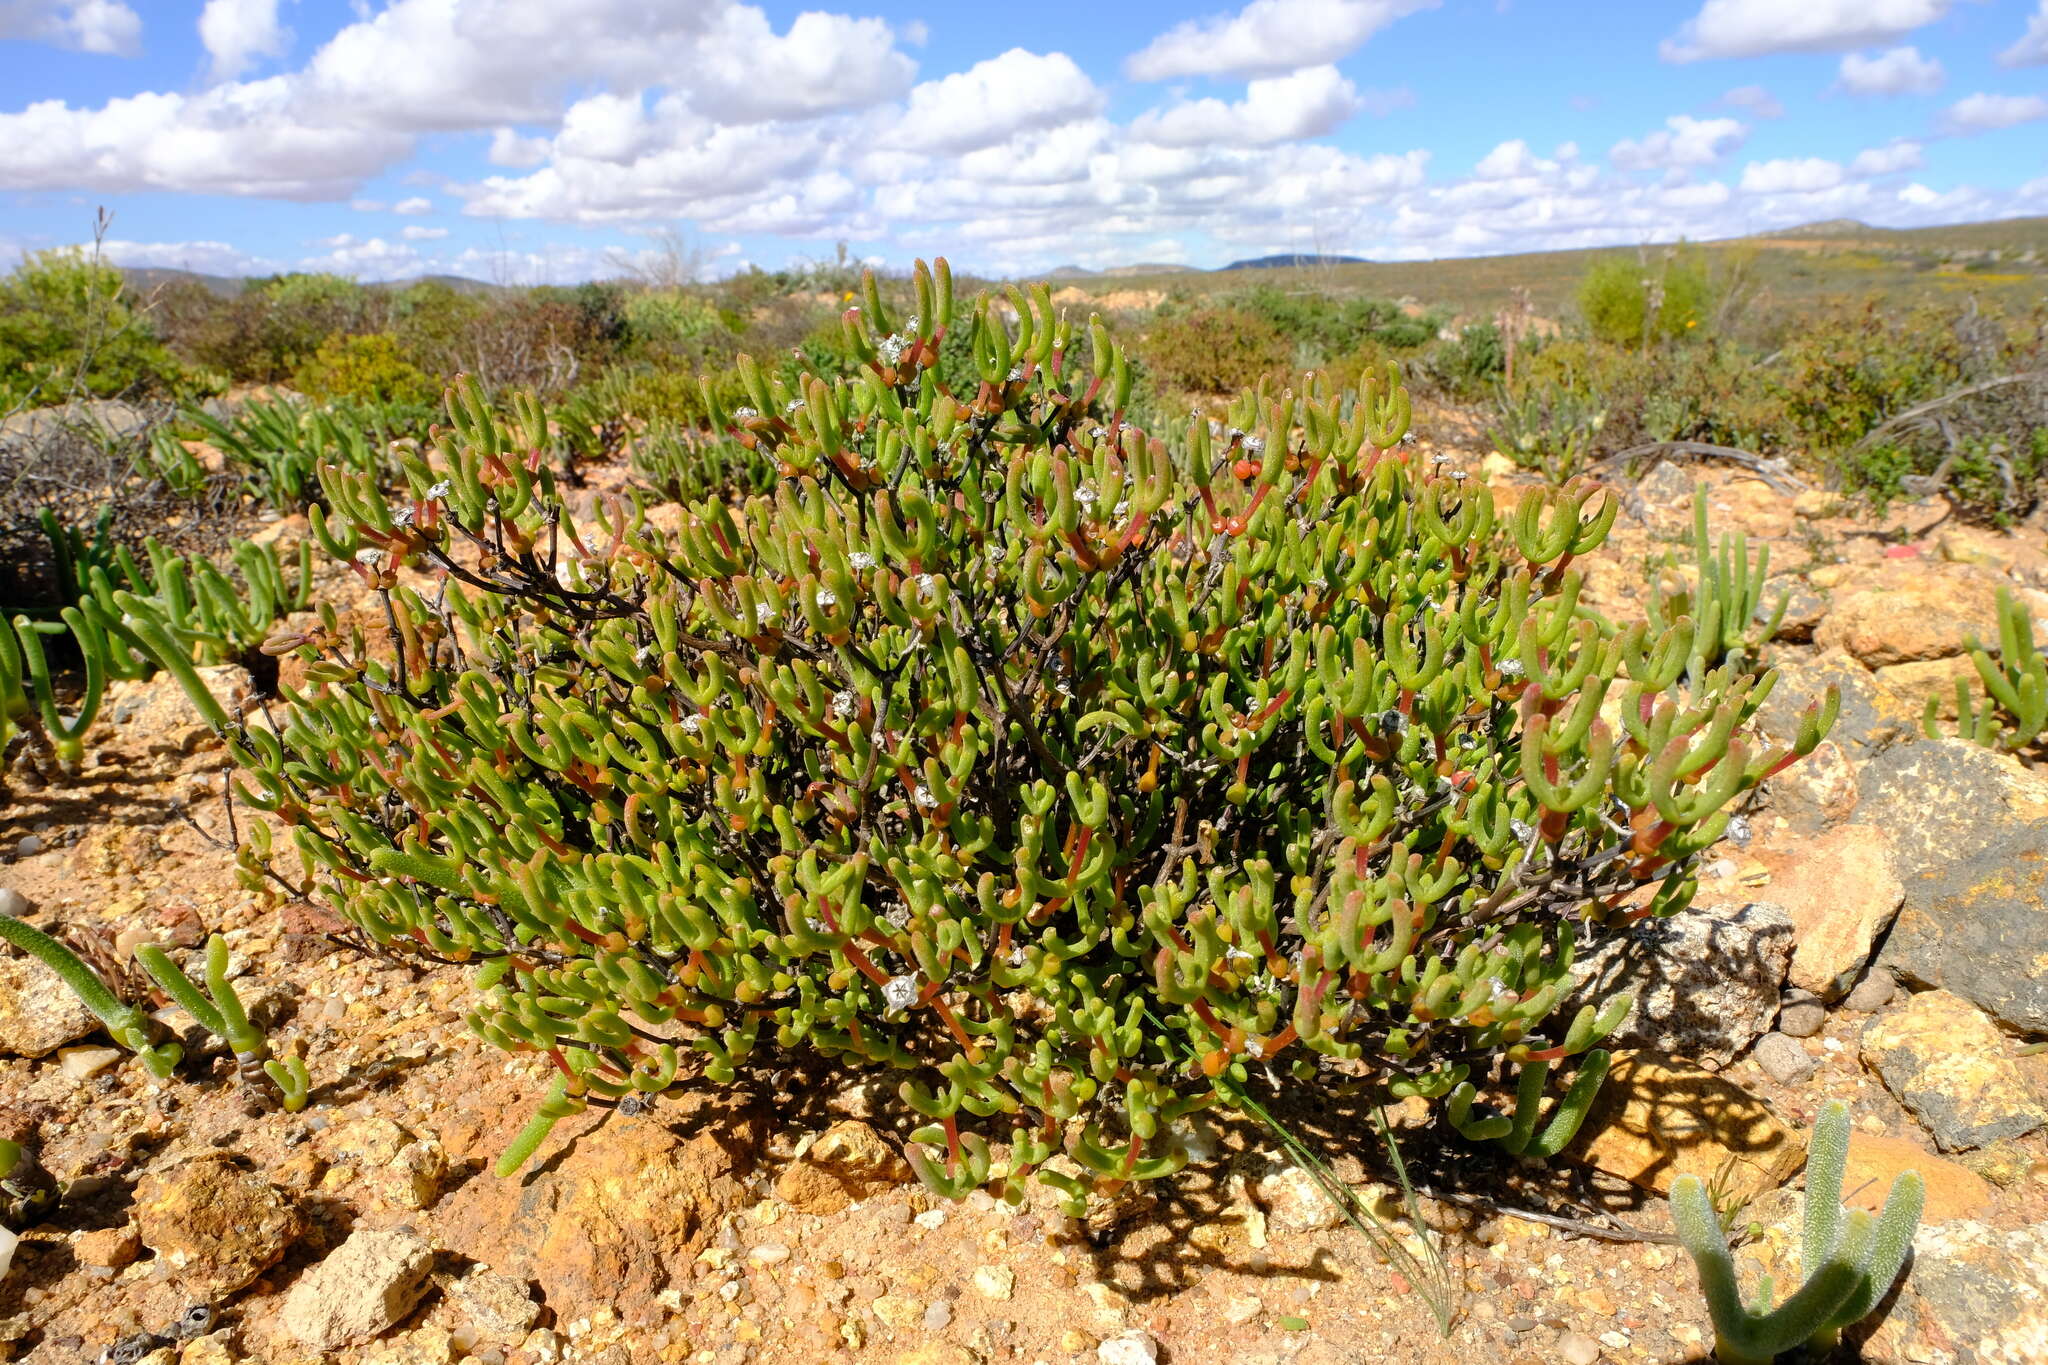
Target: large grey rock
x: 1707, y: 981
x: 38, y: 1012
x: 1946, y: 1062
x: 363, y: 1288
x: 1978, y: 927
x: 1977, y: 1295
x: 1941, y: 800
x: 1871, y: 719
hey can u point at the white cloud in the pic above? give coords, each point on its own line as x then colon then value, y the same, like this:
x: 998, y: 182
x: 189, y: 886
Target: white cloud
x: 1267, y: 37
x: 106, y: 27
x: 1754, y: 98
x: 208, y: 258
x: 413, y: 206
x: 1899, y: 71
x: 1794, y: 175
x: 509, y: 148
x: 374, y: 259
x: 413, y: 232
x: 1511, y: 160
x: 1980, y: 113
x: 1683, y: 141
x: 1017, y: 91
x: 368, y: 205
x: 1751, y: 28
x: 237, y: 32
x: 232, y: 139
x: 2032, y: 46
x: 1888, y: 160
x: 1303, y: 104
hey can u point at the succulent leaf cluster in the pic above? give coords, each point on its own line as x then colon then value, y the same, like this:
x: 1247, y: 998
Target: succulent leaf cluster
x: 1848, y: 1258
x: 2013, y: 712
x: 1075, y: 772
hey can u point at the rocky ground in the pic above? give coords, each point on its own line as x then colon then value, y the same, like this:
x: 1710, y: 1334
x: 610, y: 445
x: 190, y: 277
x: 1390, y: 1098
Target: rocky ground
x: 1881, y: 936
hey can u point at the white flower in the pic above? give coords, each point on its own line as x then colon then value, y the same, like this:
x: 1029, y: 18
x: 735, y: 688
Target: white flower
x: 1253, y: 445
x: 1738, y: 831
x: 861, y: 561
x: 1120, y: 510
x: 926, y: 585
x: 1097, y: 432
x: 369, y: 554
x: 843, y: 702
x: 1086, y: 496
x: 746, y: 414
x: 441, y: 489
x: 763, y: 613
x: 900, y: 992
x: 1253, y: 1050
x: 1521, y: 831
x: 692, y: 725
x: 1017, y: 958
x: 912, y: 324
x: 827, y: 598
x: 1460, y: 475
x: 1511, y: 668
x: 890, y: 349
x: 793, y: 405
x: 1016, y: 373
x: 926, y: 799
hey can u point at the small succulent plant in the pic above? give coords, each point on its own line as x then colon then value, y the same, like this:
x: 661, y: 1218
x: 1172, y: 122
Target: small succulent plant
x: 1849, y: 1257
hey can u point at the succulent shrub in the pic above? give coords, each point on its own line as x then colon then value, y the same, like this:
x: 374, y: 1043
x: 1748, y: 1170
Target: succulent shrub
x: 1723, y: 596
x: 1071, y: 772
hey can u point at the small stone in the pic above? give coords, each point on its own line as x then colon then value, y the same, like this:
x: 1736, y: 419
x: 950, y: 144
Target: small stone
x: 83, y: 1063
x: 38, y: 1012
x: 1946, y: 1062
x: 994, y: 1281
x: 1242, y: 1309
x: 28, y: 846
x: 1135, y: 1347
x: 898, y: 1311
x: 769, y: 1253
x: 214, y: 1226
x: 12, y: 903
x: 1784, y: 1059
x: 360, y: 1290
x: 1577, y: 1348
x: 1872, y: 993
x: 495, y: 1305
x: 849, y: 1161
x: 111, y: 1248
x: 1294, y: 1202
x: 938, y: 1316
x: 1801, y: 1015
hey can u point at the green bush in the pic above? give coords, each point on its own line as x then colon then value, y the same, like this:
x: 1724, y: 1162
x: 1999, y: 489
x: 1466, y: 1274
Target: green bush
x: 669, y: 323
x: 1632, y: 303
x: 66, y: 328
x: 1467, y: 366
x: 1078, y: 778
x: 366, y: 367
x: 1214, y: 350
x: 1324, y: 328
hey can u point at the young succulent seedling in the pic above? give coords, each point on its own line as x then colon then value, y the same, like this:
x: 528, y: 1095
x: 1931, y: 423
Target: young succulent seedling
x: 1724, y: 599
x: 2013, y: 712
x: 1077, y: 772
x: 1848, y: 1257
x: 219, y: 1010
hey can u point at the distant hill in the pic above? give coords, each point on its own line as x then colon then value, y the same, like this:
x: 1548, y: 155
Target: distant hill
x: 143, y: 279
x: 1831, y: 227
x: 1288, y: 260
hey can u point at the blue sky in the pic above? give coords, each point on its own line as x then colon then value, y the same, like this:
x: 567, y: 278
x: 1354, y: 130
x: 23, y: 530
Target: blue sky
x: 530, y: 140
